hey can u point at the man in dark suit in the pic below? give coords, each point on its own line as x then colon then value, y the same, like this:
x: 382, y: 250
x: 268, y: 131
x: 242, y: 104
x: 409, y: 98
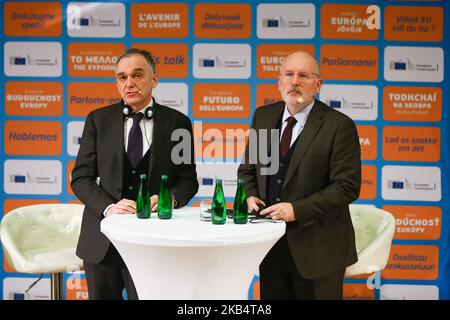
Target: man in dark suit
x: 119, y: 143
x: 318, y: 176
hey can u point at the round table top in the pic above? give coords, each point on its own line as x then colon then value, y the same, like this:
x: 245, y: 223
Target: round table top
x: 185, y: 229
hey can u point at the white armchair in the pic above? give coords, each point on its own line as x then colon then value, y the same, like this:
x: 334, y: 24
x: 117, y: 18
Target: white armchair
x: 374, y: 230
x: 42, y: 239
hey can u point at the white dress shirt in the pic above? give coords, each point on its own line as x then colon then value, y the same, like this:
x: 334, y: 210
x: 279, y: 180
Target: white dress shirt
x: 301, y: 118
x: 147, y: 134
x: 146, y: 128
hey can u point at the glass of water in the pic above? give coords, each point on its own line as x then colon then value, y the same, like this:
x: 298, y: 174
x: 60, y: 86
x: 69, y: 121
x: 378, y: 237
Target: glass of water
x: 205, y: 210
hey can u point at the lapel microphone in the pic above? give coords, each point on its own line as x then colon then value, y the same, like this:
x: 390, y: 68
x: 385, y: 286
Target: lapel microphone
x: 301, y: 99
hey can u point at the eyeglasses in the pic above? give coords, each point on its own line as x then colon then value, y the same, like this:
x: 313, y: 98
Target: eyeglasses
x: 302, y: 76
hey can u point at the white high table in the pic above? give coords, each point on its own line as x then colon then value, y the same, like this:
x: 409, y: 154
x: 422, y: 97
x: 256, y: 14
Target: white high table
x: 185, y: 258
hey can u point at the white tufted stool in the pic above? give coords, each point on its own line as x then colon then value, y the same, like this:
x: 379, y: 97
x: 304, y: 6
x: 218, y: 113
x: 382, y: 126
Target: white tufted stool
x: 374, y: 230
x: 42, y: 239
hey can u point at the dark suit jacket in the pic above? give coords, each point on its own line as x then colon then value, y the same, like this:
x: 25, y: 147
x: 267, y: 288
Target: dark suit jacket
x: 323, y: 178
x: 101, y: 155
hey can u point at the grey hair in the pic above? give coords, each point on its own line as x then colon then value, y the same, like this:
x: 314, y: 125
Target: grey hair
x: 146, y: 54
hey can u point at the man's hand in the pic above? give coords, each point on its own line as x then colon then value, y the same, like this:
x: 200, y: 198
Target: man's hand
x: 280, y: 211
x: 124, y: 206
x: 154, y: 202
x: 252, y: 203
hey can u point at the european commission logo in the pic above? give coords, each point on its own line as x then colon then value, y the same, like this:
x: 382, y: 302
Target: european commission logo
x: 74, y: 136
x: 173, y: 95
x: 26, y: 296
x: 342, y: 104
x: 84, y: 22
x: 20, y: 61
x: 21, y: 178
x: 16, y: 296
x: 28, y: 178
x: 206, y: 181
x: 96, y: 21
x: 402, y: 65
x: 29, y: 61
x: 219, y: 63
x: 228, y: 61
x: 408, y: 65
x: 209, y: 62
x: 405, y: 184
x: 76, y: 140
x: 173, y: 103
x: 273, y: 22
x: 279, y: 22
x: 32, y: 176
x: 286, y: 21
x: 210, y: 181
x: 25, y: 289
x: 90, y: 21
x: 336, y: 103
x: 411, y: 183
x: 359, y: 102
x: 399, y: 184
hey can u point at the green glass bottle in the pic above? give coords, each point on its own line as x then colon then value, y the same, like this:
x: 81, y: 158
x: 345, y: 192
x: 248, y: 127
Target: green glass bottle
x: 164, y: 199
x: 218, y: 206
x: 143, y: 209
x: 240, y: 208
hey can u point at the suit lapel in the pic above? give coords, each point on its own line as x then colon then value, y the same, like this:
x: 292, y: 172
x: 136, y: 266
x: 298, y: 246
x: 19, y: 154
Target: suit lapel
x: 312, y: 126
x: 160, y: 131
x: 117, y: 135
x: 270, y: 122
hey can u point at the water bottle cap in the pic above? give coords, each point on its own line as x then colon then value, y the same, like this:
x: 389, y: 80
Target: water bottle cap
x: 164, y: 177
x: 240, y: 180
x: 143, y: 176
x: 218, y: 180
